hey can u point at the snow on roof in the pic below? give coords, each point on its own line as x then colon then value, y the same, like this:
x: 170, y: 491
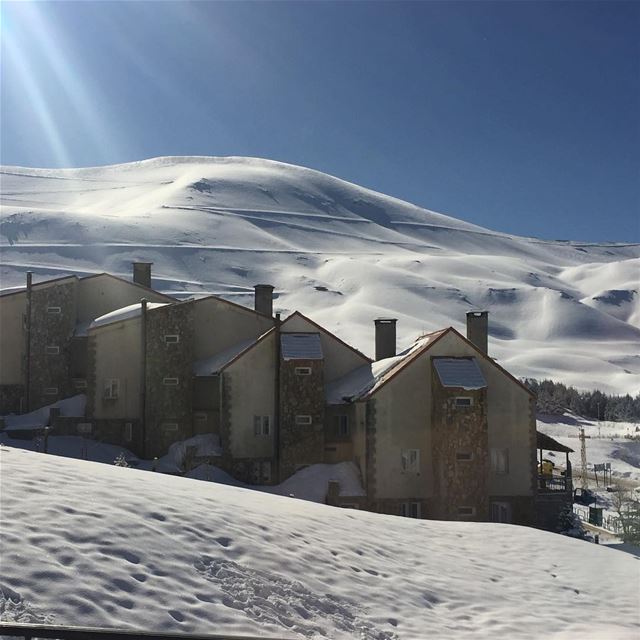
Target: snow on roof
x: 369, y: 377
x: 125, y: 313
x: 301, y: 346
x: 213, y: 364
x: 69, y: 407
x: 459, y: 372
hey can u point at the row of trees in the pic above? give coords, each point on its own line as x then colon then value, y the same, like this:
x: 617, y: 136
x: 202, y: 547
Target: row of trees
x: 555, y: 397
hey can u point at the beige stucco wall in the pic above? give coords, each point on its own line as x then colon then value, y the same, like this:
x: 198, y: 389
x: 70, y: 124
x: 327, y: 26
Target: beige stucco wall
x: 104, y: 293
x: 250, y: 392
x: 338, y: 358
x: 407, y: 397
x: 118, y: 355
x: 219, y: 325
x: 12, y: 338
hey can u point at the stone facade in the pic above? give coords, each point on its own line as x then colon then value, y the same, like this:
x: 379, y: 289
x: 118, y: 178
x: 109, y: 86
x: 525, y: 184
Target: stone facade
x: 53, y: 321
x: 460, y: 453
x: 301, y: 396
x: 11, y: 398
x: 168, y: 377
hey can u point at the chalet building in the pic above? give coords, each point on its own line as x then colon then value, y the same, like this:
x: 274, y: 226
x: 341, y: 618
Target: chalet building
x: 43, y: 333
x: 439, y: 430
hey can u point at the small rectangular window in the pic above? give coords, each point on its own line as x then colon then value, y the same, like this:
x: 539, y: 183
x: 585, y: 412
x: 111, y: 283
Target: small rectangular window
x: 466, y: 511
x: 500, y: 461
x: 464, y: 456
x: 52, y: 350
x: 54, y: 310
x: 303, y: 420
x: 172, y: 338
x: 410, y: 460
x: 410, y: 509
x: 463, y: 401
x: 128, y: 431
x: 50, y: 391
x: 84, y: 427
x: 169, y: 427
x: 111, y: 388
x: 261, y: 425
x: 341, y: 425
x: 170, y: 382
x: 303, y: 371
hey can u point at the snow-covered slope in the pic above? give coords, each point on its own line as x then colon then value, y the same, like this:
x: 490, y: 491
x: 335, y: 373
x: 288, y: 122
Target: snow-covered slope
x: 92, y: 544
x: 338, y: 252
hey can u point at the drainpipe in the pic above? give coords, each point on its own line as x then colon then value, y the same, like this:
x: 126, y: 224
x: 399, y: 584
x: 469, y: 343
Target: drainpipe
x: 143, y: 373
x: 276, y: 402
x: 27, y: 394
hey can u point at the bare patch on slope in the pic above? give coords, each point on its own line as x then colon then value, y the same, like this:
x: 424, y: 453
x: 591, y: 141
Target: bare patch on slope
x: 270, y: 598
x: 13, y: 608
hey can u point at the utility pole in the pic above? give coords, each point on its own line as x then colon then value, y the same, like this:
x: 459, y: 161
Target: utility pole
x: 584, y: 479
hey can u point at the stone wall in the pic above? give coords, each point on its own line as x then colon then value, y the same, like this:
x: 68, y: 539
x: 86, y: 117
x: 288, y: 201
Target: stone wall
x: 168, y: 407
x: 370, y: 427
x: 301, y: 395
x: 459, y: 432
x: 49, y: 371
x: 11, y: 398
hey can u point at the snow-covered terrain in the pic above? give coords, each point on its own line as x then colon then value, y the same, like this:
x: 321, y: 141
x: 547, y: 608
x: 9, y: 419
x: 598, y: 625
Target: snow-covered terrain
x: 93, y: 544
x: 342, y: 254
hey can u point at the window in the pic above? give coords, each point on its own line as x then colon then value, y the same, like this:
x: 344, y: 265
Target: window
x: 500, y: 460
x: 54, y: 310
x: 303, y: 420
x: 261, y: 471
x: 341, y: 425
x: 463, y: 401
x: 466, y: 512
x: 50, y: 391
x: 261, y: 425
x: 84, y: 427
x: 501, y: 512
x: 172, y: 338
x: 303, y: 371
x: 410, y: 509
x: 80, y: 383
x: 128, y: 431
x: 411, y: 460
x: 170, y: 382
x: 52, y: 350
x: 169, y: 427
x: 111, y: 388
x: 464, y: 456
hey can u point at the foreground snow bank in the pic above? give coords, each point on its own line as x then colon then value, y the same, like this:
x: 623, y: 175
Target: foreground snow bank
x: 92, y: 544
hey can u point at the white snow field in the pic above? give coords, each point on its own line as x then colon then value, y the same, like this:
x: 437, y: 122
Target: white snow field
x: 94, y: 544
x: 340, y: 253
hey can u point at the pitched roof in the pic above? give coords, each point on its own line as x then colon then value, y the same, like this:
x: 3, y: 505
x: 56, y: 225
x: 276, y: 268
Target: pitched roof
x: 220, y: 361
x: 363, y: 382
x: 301, y: 346
x: 543, y: 441
x: 461, y: 373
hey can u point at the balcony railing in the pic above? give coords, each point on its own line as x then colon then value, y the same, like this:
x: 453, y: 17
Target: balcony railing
x: 554, y: 483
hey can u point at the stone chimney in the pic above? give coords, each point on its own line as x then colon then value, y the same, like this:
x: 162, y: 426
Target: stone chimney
x: 385, y: 338
x: 142, y: 273
x: 264, y: 299
x: 478, y: 329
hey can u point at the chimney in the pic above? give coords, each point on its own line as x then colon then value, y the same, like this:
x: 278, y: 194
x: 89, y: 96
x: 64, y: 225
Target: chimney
x: 142, y: 273
x: 478, y: 329
x: 385, y: 338
x: 29, y: 279
x: 264, y: 299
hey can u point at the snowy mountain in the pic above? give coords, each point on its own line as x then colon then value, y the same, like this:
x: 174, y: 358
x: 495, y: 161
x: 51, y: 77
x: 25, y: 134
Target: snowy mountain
x: 144, y: 550
x: 340, y: 253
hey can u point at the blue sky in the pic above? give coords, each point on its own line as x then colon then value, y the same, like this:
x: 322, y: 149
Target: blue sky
x: 519, y: 116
